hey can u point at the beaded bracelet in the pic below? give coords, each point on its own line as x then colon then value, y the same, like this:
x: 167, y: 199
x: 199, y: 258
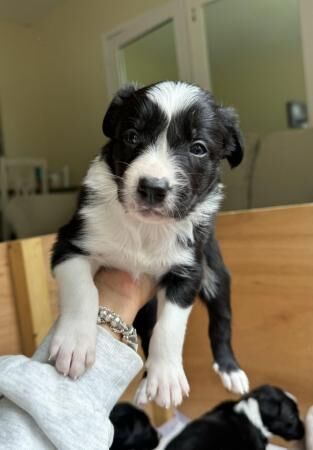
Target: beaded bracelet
x: 118, y: 326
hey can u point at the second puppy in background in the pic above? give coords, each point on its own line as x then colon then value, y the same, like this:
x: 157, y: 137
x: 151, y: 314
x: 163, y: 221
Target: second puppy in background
x: 247, y: 424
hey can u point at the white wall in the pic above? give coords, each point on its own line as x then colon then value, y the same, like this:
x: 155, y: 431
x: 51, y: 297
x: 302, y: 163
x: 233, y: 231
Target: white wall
x: 53, y: 83
x: 75, y: 78
x: 21, y: 92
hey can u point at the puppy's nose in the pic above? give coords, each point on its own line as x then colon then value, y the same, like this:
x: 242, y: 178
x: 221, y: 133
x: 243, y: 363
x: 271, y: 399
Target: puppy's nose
x: 152, y: 190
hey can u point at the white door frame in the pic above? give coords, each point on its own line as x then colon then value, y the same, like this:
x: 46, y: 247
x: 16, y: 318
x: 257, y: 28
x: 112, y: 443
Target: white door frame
x: 201, y: 72
x: 115, y: 40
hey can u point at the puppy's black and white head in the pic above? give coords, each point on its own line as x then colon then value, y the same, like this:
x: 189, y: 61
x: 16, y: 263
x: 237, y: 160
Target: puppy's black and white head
x: 167, y: 141
x: 274, y: 412
x: 132, y: 429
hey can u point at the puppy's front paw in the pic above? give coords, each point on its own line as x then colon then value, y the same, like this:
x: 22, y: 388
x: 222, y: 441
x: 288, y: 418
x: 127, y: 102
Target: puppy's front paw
x: 73, y: 347
x: 235, y: 381
x: 166, y: 383
x: 140, y: 397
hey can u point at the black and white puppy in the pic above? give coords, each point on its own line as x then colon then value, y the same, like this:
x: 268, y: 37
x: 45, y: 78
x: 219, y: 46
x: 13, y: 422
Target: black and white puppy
x: 147, y: 206
x: 132, y: 429
x: 244, y: 425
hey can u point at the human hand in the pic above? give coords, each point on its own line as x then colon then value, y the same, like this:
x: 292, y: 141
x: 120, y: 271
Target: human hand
x: 121, y: 293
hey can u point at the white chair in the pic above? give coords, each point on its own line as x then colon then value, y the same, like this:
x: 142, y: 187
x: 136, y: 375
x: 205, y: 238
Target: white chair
x: 36, y: 215
x: 19, y: 178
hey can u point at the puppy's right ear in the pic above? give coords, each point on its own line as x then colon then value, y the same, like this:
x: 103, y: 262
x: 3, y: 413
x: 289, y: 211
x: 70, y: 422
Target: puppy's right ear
x: 110, y: 120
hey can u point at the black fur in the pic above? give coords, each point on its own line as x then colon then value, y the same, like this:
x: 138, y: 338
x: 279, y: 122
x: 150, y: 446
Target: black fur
x: 219, y: 308
x: 64, y: 246
x: 225, y: 429
x: 132, y: 429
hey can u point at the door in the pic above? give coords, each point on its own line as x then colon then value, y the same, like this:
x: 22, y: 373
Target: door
x: 150, y: 48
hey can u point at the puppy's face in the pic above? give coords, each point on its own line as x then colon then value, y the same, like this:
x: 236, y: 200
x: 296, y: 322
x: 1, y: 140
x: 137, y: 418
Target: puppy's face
x: 279, y: 412
x: 167, y: 141
x: 132, y: 429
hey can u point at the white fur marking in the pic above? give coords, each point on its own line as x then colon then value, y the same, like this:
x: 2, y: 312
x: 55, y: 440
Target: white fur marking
x: 166, y: 381
x: 172, y: 97
x: 204, y: 211
x: 292, y: 397
x: 209, y: 281
x: 120, y: 240
x: 74, y: 340
x: 236, y: 381
x: 156, y: 162
x: 250, y: 408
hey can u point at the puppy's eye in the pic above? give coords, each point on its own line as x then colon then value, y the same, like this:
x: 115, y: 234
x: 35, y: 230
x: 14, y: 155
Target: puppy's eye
x: 131, y: 137
x: 198, y: 149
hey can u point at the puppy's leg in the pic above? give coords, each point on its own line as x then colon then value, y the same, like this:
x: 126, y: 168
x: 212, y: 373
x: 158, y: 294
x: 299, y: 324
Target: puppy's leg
x: 144, y: 324
x: 215, y: 293
x: 74, y: 341
x: 166, y: 381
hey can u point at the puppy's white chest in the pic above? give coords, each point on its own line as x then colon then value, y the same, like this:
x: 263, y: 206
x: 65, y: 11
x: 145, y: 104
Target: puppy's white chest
x: 135, y: 247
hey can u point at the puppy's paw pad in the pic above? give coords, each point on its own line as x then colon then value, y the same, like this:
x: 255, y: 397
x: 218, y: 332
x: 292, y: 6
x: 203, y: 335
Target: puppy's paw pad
x: 141, y: 397
x: 167, y: 384
x: 235, y: 381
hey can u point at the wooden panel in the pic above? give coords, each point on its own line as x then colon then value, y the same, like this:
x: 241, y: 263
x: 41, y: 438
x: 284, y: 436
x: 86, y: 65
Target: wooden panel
x: 270, y: 255
x: 9, y: 332
x: 31, y: 292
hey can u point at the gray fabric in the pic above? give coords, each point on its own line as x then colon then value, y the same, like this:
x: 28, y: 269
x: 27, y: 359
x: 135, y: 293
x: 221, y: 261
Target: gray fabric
x: 42, y: 410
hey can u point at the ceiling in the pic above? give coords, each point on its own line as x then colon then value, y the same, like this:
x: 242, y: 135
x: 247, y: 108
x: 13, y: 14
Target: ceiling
x: 26, y: 12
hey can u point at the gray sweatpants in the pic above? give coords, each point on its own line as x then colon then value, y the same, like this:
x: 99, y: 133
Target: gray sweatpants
x: 42, y: 410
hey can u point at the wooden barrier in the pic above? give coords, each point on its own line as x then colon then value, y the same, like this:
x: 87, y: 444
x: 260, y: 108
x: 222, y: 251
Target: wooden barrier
x: 10, y: 342
x: 31, y: 292
x: 270, y: 255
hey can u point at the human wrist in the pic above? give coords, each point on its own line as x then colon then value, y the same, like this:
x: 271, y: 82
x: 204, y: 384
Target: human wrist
x: 127, y: 333
x: 126, y: 308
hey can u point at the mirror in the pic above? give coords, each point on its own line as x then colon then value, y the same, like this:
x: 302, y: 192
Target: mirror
x: 54, y: 91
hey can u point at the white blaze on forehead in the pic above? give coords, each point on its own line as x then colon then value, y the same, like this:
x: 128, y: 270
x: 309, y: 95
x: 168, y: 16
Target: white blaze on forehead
x: 173, y: 97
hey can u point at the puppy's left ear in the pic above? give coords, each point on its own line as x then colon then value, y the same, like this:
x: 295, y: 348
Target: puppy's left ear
x: 233, y: 139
